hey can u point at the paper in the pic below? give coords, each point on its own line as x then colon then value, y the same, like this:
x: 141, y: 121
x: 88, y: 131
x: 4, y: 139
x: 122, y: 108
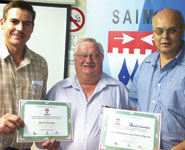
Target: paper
x: 127, y: 130
x: 44, y: 120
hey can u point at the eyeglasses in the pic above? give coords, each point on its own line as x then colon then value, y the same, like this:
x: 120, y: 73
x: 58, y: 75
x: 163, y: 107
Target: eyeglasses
x: 169, y: 31
x: 93, y: 56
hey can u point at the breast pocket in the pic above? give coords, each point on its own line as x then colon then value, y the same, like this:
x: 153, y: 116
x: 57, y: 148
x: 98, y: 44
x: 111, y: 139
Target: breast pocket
x: 173, y: 95
x: 173, y: 99
x: 100, y: 118
x: 102, y: 114
x: 37, y: 87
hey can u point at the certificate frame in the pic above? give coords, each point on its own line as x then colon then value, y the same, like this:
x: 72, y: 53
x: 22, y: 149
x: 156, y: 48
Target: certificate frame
x: 46, y: 107
x: 121, y: 116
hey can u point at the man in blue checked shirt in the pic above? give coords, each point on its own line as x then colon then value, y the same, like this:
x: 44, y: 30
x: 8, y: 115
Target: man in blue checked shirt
x: 159, y: 84
x: 88, y: 92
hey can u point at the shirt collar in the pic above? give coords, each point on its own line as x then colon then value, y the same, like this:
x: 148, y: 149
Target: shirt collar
x: 71, y: 82
x: 153, y: 58
x: 4, y: 53
x: 181, y: 55
x: 103, y: 82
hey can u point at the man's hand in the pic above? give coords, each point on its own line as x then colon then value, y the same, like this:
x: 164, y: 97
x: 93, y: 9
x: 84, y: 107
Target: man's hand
x: 180, y: 146
x: 10, y: 122
x: 50, y: 144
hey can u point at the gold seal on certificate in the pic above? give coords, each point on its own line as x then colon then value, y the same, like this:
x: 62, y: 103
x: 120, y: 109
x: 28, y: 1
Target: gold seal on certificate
x: 130, y: 130
x: 44, y: 120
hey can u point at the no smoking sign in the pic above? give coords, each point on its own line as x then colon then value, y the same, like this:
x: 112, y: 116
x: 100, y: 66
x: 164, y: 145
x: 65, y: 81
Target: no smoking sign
x: 77, y: 19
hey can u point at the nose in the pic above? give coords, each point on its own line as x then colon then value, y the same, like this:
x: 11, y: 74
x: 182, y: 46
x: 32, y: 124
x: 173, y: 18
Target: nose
x: 20, y: 26
x: 88, y: 59
x: 165, y: 34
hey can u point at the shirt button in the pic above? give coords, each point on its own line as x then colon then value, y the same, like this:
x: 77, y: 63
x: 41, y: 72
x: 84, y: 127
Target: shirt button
x: 153, y: 102
x: 17, y: 85
x: 85, y: 138
x: 158, y: 85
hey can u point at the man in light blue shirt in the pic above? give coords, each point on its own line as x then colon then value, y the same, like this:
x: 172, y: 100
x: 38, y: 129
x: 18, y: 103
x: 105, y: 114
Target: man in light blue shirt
x: 159, y: 84
x: 88, y: 92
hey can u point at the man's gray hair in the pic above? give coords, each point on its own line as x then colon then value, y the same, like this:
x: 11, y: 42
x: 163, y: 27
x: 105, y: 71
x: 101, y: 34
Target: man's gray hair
x: 99, y: 46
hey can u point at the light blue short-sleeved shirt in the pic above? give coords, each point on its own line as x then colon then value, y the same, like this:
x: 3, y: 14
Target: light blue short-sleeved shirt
x: 87, y: 116
x: 162, y: 91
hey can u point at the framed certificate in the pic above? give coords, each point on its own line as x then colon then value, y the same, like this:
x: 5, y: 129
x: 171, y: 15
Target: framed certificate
x: 129, y: 130
x: 44, y: 120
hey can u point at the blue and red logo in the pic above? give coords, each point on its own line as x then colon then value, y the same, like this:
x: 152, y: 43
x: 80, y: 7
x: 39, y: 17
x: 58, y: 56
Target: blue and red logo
x: 128, y: 48
x: 46, y: 112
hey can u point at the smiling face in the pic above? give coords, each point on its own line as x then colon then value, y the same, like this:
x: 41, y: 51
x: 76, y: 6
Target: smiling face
x: 91, y: 65
x: 17, y: 27
x: 168, y: 32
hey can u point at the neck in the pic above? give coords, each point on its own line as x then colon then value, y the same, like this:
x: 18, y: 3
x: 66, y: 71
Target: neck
x: 165, y: 58
x: 88, y: 85
x: 91, y: 79
x: 88, y: 90
x: 17, y: 53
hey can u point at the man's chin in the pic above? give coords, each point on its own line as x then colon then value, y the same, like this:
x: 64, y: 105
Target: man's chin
x: 17, y: 43
x: 165, y: 48
x: 89, y: 73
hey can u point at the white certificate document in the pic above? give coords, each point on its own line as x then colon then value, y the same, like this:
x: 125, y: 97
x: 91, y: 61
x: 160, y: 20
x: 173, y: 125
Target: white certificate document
x: 130, y: 130
x: 44, y: 120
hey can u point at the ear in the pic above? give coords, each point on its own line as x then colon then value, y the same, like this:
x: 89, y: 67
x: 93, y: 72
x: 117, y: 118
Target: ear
x: 182, y: 33
x: 102, y: 57
x: 1, y: 22
x: 33, y: 27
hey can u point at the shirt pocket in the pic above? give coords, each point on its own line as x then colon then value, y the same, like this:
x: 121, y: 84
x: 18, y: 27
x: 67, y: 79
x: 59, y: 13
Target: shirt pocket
x: 100, y: 121
x: 100, y: 118
x: 37, y: 87
x: 174, y: 99
x: 176, y: 94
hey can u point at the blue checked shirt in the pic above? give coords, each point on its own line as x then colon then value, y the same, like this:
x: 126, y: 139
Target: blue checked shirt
x: 87, y: 116
x: 162, y: 91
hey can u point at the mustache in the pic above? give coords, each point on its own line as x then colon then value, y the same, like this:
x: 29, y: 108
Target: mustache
x: 165, y: 41
x: 88, y: 65
x: 19, y: 33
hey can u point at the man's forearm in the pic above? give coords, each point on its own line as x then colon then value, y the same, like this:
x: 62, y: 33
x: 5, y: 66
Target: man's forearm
x: 134, y: 108
x: 180, y: 146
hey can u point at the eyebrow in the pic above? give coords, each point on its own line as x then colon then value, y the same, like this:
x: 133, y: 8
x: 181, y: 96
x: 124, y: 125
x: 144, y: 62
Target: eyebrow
x: 163, y: 28
x: 27, y: 21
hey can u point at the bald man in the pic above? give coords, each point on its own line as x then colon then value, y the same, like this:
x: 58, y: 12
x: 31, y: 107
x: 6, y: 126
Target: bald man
x: 159, y: 84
